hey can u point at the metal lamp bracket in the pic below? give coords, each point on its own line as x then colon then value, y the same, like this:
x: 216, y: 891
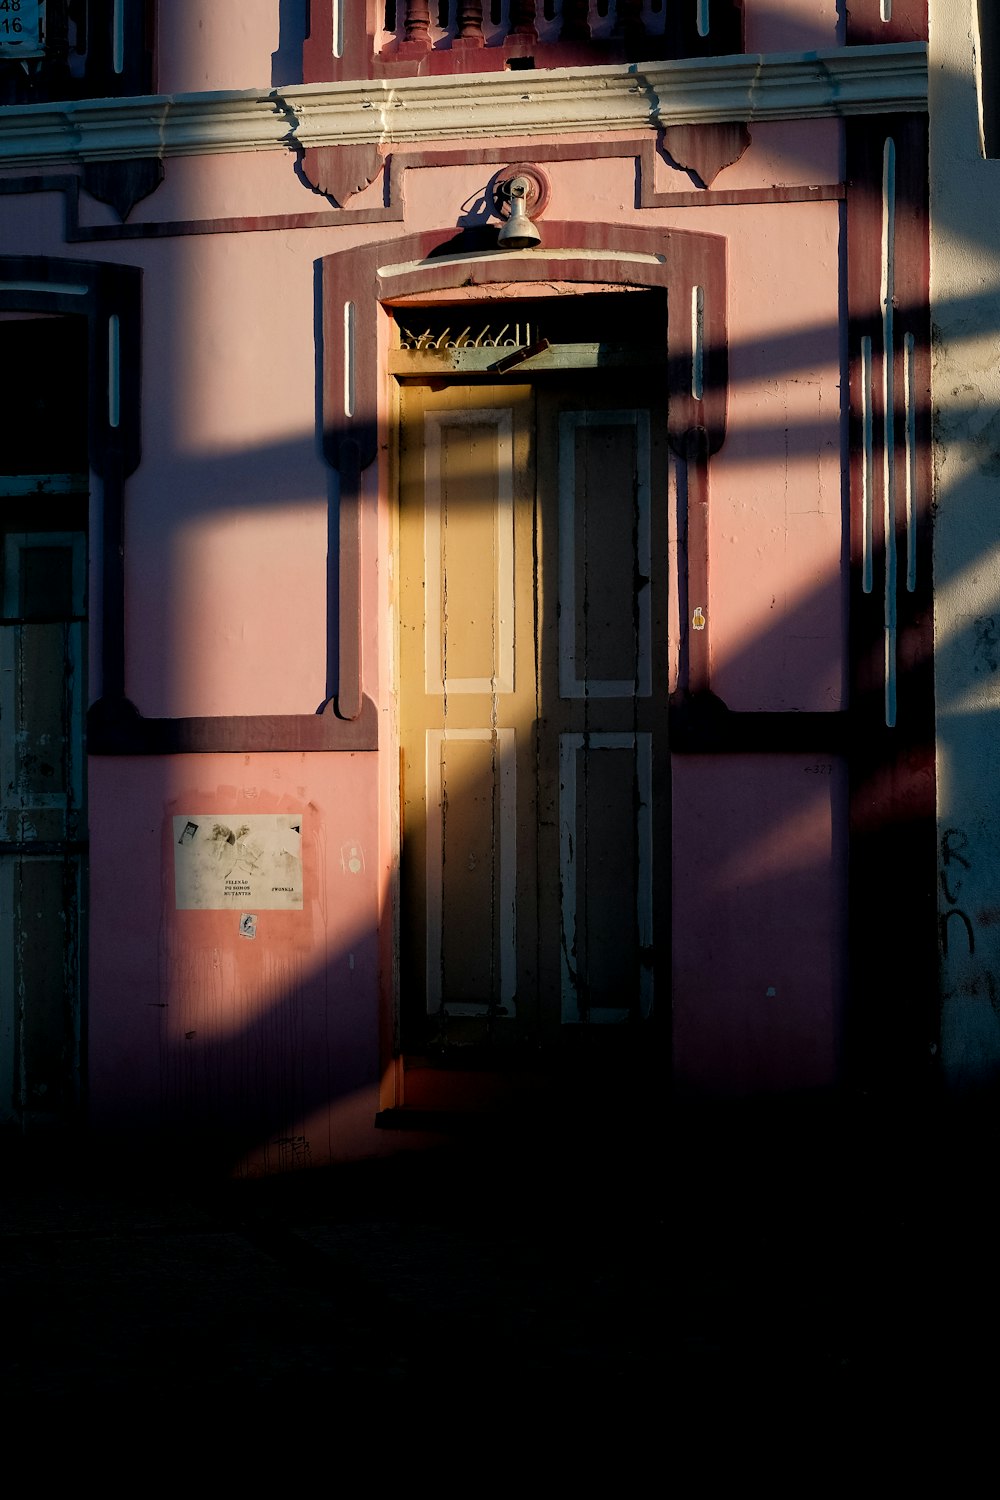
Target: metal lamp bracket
x: 539, y: 189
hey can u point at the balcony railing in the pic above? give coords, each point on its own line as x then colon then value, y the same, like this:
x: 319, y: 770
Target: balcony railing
x: 397, y: 38
x: 491, y: 23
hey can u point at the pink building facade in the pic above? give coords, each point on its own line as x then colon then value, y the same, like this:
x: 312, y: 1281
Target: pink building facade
x: 453, y: 665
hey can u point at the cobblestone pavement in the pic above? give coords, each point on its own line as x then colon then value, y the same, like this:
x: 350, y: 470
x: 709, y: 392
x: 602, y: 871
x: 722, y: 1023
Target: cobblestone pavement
x: 460, y: 1273
x: 731, y: 1262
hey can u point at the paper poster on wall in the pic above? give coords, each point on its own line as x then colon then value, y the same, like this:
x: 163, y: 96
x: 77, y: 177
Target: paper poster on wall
x: 222, y: 863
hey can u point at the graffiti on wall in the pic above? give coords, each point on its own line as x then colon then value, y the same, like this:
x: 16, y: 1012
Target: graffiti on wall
x: 955, y: 863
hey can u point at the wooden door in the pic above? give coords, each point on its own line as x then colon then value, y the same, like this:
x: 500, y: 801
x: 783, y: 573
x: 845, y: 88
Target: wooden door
x: 42, y: 819
x: 533, y: 693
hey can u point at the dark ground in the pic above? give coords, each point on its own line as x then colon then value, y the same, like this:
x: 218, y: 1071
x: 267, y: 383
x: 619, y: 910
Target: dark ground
x: 816, y: 1254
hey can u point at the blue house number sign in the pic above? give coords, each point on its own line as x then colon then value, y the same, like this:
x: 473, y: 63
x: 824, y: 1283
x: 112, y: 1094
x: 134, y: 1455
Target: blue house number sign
x: 21, y: 28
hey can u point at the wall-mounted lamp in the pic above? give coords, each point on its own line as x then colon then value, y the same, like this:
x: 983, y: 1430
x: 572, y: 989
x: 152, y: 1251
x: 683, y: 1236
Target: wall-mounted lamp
x: 518, y: 233
x: 523, y: 190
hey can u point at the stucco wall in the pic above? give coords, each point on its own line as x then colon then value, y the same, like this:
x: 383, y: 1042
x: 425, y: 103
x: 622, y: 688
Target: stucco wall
x: 272, y: 1042
x: 247, y: 1053
x: 965, y: 306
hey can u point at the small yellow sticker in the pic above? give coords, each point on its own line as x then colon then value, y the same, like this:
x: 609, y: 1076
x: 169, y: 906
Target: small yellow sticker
x: 698, y: 619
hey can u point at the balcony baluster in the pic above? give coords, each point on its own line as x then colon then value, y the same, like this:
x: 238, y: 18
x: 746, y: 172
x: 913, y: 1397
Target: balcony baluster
x: 470, y: 24
x: 522, y: 19
x: 575, y: 21
x: 416, y: 38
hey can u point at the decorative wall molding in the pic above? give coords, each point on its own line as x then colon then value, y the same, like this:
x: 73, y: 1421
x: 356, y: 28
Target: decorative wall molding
x: 110, y: 297
x: 643, y: 150
x: 842, y: 81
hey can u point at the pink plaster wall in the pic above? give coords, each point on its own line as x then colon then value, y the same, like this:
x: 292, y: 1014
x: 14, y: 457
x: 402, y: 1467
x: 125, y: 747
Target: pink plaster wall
x: 224, y: 45
x: 226, y: 614
x: 776, y: 595
x: 759, y: 922
x: 228, y: 520
x: 262, y: 1049
x: 791, y: 25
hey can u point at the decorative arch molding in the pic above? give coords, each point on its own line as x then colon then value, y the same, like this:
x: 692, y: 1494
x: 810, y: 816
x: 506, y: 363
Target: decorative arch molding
x: 690, y: 266
x: 681, y: 262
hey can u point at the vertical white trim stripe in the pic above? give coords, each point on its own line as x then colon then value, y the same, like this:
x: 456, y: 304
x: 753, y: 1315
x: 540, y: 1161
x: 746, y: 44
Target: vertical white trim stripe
x: 889, y: 398
x: 703, y: 20
x: 338, y: 27
x: 644, y: 843
x: 569, y: 744
x: 909, y: 402
x: 697, y: 342
x: 349, y: 364
x: 118, y: 37
x: 505, y: 741
x: 434, y: 871
x: 571, y: 685
x: 867, y: 467
x: 114, y: 371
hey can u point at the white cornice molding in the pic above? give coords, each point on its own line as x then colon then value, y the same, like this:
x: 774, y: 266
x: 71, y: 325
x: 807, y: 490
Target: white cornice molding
x: 773, y: 86
x: 783, y: 86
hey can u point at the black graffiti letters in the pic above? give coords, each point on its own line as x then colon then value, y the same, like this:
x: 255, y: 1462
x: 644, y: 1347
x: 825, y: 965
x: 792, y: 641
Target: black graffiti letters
x: 953, y: 861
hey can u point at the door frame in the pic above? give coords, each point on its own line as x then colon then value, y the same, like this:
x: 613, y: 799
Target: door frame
x: 360, y: 415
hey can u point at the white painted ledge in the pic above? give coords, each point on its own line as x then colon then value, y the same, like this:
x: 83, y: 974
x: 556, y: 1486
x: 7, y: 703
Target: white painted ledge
x: 773, y: 86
